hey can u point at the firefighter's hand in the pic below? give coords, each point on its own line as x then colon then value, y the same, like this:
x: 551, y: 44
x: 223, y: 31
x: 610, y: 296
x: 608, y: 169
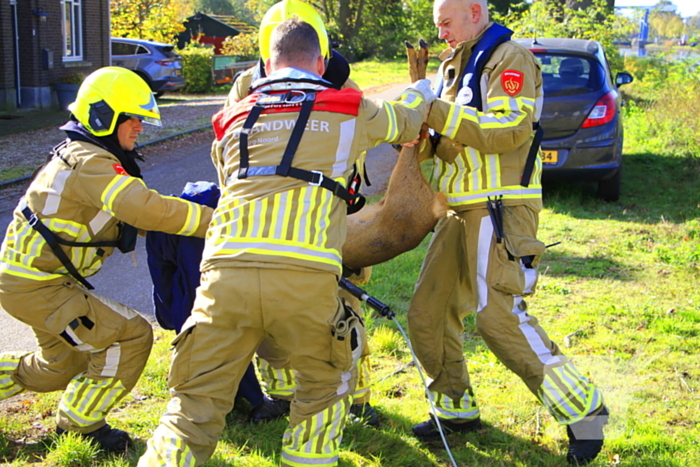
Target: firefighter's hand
x: 424, y: 87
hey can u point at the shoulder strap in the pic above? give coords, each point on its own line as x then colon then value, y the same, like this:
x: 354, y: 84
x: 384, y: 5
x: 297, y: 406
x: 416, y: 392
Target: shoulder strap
x: 285, y: 168
x: 52, y: 241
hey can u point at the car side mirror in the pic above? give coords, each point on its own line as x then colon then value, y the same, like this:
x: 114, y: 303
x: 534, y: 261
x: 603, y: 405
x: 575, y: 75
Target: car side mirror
x: 623, y: 78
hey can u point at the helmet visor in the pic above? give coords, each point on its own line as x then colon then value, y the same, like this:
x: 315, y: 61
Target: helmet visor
x: 150, y: 120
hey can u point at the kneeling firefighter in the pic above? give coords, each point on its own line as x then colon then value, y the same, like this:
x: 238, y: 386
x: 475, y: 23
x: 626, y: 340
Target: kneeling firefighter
x: 86, y: 200
x: 274, y: 363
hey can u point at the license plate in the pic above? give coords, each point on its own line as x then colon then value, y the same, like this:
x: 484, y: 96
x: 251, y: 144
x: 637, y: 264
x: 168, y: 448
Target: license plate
x: 178, y: 72
x: 550, y: 157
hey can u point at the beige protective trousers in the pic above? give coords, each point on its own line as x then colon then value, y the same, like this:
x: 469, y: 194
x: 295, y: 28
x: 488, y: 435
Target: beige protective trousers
x: 467, y: 270
x: 235, y: 308
x: 92, y: 347
x: 278, y: 376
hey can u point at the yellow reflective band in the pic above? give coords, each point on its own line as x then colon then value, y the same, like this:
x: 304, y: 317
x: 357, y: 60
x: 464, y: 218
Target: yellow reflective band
x: 87, y: 401
x: 410, y: 99
x: 392, y: 130
x: 493, y: 170
x: 19, y: 270
x: 194, y: 215
x: 116, y: 186
x: 507, y: 192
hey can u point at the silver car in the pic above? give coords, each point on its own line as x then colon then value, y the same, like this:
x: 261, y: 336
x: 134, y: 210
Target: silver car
x: 581, y: 115
x: 158, y: 64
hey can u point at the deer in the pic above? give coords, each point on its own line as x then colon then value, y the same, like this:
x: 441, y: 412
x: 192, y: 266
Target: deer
x: 410, y: 208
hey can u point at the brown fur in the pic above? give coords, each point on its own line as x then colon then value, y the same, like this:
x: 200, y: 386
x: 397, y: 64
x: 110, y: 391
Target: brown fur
x: 410, y: 208
x: 399, y: 222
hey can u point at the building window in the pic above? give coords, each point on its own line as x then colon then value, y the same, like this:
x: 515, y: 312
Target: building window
x: 72, y: 30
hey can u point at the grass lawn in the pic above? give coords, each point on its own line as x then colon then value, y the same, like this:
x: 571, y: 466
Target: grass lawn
x: 619, y: 295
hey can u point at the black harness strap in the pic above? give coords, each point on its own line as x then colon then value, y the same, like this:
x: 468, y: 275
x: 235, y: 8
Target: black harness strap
x: 313, y: 177
x: 53, y: 242
x: 294, y: 140
x: 532, y: 156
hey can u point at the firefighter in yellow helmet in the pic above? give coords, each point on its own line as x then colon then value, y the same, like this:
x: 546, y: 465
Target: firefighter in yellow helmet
x: 87, y: 200
x: 272, y: 255
x: 273, y: 363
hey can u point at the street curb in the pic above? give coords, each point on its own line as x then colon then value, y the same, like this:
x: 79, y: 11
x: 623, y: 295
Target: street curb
x: 15, y: 181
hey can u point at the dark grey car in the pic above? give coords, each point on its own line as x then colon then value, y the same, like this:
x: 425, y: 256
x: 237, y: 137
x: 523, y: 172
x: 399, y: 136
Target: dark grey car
x: 581, y: 114
x: 158, y: 64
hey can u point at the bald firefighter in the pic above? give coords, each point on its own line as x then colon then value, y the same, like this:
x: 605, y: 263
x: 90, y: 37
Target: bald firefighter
x: 87, y: 199
x: 484, y: 254
x: 274, y: 364
x: 272, y: 256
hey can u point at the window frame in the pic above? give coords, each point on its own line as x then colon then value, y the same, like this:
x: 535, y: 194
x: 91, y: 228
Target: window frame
x: 73, y: 46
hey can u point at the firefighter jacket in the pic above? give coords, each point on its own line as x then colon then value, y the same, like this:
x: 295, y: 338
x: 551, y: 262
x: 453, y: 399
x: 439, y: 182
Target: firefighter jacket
x: 277, y: 221
x: 83, y: 194
x: 483, y: 153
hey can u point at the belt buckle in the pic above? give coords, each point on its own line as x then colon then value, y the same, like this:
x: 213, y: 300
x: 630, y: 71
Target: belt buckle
x: 33, y: 220
x: 320, y: 178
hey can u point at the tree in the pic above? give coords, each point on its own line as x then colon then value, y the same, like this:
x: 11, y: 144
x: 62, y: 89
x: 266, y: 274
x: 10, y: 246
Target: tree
x: 158, y: 20
x: 548, y: 18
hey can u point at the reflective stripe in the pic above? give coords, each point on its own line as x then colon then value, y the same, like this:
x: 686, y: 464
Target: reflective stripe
x: 291, y: 224
x: 451, y: 409
x: 116, y: 186
x: 79, y: 344
x: 53, y: 198
x: 87, y: 401
x: 316, y: 439
x: 19, y: 270
x: 392, y: 130
x: 99, y: 221
x: 364, y: 377
x: 8, y: 366
x: 342, y: 154
x: 280, y: 382
x: 507, y: 192
x: 194, y: 215
x: 410, y: 99
x: 165, y: 449
x: 112, y: 356
x: 567, y: 394
x: 482, y: 261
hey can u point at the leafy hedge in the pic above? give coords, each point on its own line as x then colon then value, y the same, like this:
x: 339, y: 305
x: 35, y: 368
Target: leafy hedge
x: 197, y: 68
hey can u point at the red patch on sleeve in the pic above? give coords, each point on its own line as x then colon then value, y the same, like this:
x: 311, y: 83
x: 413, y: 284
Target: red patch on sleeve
x: 512, y: 82
x: 119, y: 169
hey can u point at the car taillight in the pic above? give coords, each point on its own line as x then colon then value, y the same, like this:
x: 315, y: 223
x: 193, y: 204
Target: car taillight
x: 165, y: 62
x: 603, y: 111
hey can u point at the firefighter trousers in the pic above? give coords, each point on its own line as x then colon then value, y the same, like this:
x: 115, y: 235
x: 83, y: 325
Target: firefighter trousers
x: 235, y: 308
x: 278, y: 376
x: 468, y: 269
x: 90, y: 346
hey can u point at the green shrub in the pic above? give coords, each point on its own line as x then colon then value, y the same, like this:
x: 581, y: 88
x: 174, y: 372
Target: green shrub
x: 197, y: 68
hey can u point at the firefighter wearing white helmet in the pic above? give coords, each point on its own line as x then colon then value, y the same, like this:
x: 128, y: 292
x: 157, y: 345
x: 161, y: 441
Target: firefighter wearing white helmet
x: 274, y: 364
x: 87, y: 200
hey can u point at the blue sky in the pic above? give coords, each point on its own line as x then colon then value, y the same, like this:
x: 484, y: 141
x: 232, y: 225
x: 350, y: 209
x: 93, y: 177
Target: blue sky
x: 684, y: 8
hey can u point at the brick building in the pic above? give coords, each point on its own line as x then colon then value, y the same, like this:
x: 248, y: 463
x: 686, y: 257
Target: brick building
x: 44, y: 42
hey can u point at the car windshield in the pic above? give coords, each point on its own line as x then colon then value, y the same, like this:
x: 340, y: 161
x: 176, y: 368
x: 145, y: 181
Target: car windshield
x: 568, y: 75
x: 168, y: 51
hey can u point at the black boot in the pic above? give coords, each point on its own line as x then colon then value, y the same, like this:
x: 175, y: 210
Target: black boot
x: 271, y: 409
x: 586, y: 438
x: 428, y: 430
x: 107, y: 438
x: 364, y: 413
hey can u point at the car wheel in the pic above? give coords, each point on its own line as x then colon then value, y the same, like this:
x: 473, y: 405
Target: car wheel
x: 609, y: 190
x: 159, y: 94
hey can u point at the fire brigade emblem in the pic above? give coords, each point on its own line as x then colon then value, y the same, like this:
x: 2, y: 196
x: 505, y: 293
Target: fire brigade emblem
x: 119, y: 169
x: 512, y: 82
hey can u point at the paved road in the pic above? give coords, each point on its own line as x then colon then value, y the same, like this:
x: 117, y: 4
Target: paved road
x: 125, y: 278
